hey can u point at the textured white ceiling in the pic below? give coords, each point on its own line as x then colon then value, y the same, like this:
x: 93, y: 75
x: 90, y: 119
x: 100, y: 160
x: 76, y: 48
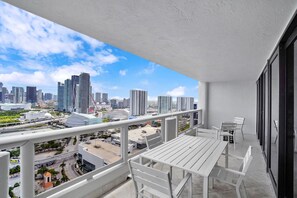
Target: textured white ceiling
x: 208, y: 40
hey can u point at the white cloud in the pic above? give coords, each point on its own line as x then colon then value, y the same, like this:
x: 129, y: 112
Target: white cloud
x: 3, y: 57
x: 117, y: 97
x: 64, y: 72
x: 152, y: 98
x: 150, y: 69
x: 176, y: 92
x: 114, y: 88
x: 91, y: 41
x: 36, y: 78
x: 123, y: 72
x: 32, y: 65
x: 34, y: 35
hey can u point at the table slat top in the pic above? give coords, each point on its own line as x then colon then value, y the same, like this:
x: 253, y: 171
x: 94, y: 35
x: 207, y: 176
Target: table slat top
x: 194, y: 154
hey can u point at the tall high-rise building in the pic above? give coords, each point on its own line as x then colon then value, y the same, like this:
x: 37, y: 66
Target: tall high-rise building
x: 113, y: 103
x: 60, y: 106
x: 105, y: 97
x: 48, y: 96
x: 138, y: 102
x: 67, y: 95
x: 84, y: 92
x: 98, y: 97
x: 31, y: 95
x: 74, y: 82
x: 76, y: 109
x: 18, y: 94
x: 184, y: 103
x: 164, y: 104
x: 39, y: 95
x: 126, y: 103
x: 91, y: 103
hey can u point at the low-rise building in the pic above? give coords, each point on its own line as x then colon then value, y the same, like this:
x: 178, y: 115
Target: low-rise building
x: 137, y: 136
x: 81, y: 119
x: 15, y: 106
x: 94, y: 154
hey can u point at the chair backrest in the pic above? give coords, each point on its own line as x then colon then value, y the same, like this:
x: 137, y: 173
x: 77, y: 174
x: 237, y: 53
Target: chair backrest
x: 239, y: 121
x: 247, y: 160
x: 207, y: 133
x: 153, y: 178
x: 153, y: 140
x: 275, y: 122
x: 228, y: 126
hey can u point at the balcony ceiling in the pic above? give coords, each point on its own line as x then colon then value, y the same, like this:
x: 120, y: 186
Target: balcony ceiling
x: 208, y: 40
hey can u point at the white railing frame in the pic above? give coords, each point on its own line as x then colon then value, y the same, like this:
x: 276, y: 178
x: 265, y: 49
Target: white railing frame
x: 26, y: 143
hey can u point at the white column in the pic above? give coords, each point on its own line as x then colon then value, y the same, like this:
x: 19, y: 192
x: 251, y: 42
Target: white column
x: 191, y: 120
x: 203, y: 101
x: 4, y: 174
x: 124, y: 142
x: 27, y: 170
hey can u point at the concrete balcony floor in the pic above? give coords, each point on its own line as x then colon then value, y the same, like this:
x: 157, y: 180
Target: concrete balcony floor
x: 257, y: 181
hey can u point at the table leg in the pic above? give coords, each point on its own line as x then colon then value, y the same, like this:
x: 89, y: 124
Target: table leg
x: 226, y: 156
x: 205, y: 187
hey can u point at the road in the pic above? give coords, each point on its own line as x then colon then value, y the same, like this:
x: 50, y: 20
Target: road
x: 60, y: 157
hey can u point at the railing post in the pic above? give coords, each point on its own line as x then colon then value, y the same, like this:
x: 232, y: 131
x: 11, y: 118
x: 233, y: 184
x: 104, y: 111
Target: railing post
x: 27, y: 170
x: 124, y: 142
x: 191, y: 120
x: 163, y: 129
x: 4, y: 174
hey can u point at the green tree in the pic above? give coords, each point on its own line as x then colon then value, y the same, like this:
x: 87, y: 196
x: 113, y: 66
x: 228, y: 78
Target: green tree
x: 42, y: 170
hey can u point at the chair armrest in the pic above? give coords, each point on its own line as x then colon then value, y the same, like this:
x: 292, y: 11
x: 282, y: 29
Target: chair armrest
x: 234, y: 171
x: 216, y: 128
x: 179, y: 189
x: 234, y: 156
x: 231, y: 170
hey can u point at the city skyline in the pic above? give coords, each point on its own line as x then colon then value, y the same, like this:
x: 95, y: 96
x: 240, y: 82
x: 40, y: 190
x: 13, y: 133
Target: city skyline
x: 47, y: 53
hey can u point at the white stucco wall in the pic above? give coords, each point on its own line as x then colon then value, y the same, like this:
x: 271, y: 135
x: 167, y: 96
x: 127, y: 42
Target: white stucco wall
x: 229, y: 99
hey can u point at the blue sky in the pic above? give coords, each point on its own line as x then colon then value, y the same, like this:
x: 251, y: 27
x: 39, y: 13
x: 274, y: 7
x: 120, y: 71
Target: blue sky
x: 35, y: 51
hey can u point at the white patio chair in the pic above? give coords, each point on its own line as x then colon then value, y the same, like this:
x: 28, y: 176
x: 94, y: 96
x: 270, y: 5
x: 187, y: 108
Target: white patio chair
x: 275, y: 123
x: 155, y: 182
x: 153, y: 140
x: 234, y: 177
x: 207, y: 133
x: 240, y: 122
x: 225, y: 129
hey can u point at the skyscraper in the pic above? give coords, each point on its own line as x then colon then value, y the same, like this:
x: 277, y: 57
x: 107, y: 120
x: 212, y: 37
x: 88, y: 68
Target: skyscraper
x: 60, y: 106
x: 98, y: 97
x: 84, y: 92
x: 164, y: 104
x: 184, y: 103
x: 74, y: 82
x: 67, y: 95
x: 105, y: 98
x: 18, y: 94
x: 138, y: 102
x: 48, y: 96
x: 39, y: 95
x: 31, y: 95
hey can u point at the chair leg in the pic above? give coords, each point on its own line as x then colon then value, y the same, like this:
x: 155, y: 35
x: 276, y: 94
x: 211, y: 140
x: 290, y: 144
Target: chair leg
x: 242, y: 134
x: 244, y: 190
x: 190, y: 187
x: 170, y: 172
x: 238, y: 192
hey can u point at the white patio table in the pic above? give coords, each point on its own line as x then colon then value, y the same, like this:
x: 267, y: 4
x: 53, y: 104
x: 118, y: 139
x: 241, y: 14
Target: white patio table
x: 195, y: 155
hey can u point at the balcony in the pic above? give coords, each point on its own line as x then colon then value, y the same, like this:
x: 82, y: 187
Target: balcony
x: 223, y: 44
